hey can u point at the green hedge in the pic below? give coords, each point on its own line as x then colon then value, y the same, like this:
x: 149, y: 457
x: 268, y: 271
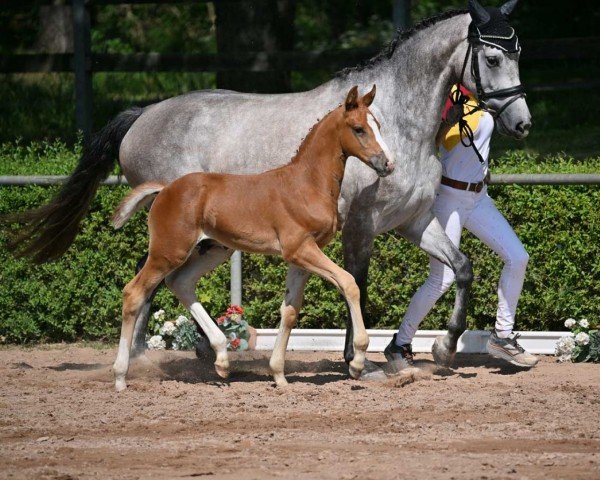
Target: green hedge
x: 79, y: 296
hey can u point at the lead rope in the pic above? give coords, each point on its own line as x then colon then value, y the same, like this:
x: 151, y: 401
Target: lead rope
x: 467, y: 137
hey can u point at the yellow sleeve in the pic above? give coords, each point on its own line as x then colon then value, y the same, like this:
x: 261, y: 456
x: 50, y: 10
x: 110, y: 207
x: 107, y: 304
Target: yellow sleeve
x: 452, y: 138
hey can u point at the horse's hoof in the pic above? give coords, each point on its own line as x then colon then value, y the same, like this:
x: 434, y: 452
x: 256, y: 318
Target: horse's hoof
x: 355, y: 371
x: 120, y: 385
x: 442, y: 355
x: 349, y: 356
x: 372, y: 373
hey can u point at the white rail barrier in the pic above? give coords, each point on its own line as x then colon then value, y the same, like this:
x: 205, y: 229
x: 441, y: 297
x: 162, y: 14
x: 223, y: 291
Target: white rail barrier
x: 472, y: 341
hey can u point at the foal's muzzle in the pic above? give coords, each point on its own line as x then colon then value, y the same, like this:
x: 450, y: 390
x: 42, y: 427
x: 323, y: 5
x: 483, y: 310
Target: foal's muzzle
x: 381, y: 164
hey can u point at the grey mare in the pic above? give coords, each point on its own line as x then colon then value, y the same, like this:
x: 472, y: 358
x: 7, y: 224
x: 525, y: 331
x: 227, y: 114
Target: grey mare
x: 224, y: 131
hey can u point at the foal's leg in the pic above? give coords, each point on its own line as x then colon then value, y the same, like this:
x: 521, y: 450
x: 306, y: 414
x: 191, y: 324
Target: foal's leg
x: 135, y: 295
x: 428, y: 234
x: 182, y: 283
x: 292, y: 303
x: 310, y: 257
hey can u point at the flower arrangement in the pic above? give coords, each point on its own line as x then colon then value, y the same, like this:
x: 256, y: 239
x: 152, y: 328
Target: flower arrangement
x: 235, y: 328
x: 180, y: 334
x: 583, y: 345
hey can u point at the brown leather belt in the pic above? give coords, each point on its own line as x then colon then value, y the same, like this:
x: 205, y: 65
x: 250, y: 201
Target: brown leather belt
x: 470, y: 187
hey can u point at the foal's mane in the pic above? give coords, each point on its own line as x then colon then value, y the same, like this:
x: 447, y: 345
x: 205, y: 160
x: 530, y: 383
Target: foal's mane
x: 400, y: 37
x: 305, y: 142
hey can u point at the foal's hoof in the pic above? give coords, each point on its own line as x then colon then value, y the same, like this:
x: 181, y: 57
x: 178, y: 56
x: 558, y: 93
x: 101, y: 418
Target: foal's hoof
x: 222, y: 371
x: 120, y: 385
x: 280, y: 380
x: 442, y: 354
x: 355, y: 371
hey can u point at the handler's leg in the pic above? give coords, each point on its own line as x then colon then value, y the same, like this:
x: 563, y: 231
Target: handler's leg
x: 290, y: 309
x: 429, y: 235
x: 490, y: 226
x: 438, y: 282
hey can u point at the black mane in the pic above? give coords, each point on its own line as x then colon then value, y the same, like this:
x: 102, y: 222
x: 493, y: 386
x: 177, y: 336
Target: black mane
x: 399, y: 37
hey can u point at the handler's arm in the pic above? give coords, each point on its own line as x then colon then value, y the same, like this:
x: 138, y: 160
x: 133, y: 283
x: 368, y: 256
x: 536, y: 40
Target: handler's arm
x: 453, y: 115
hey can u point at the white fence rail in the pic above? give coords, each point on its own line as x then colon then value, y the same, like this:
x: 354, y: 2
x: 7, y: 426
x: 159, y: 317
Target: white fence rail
x: 472, y: 341
x: 496, y: 179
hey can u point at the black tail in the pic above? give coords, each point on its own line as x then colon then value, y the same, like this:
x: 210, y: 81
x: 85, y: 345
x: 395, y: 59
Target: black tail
x: 52, y: 228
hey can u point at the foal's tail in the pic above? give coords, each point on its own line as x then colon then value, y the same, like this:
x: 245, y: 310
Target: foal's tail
x: 138, y: 198
x: 51, y: 228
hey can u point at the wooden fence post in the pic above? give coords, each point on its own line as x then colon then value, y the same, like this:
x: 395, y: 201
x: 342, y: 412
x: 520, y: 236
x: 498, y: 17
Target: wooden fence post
x: 83, y: 67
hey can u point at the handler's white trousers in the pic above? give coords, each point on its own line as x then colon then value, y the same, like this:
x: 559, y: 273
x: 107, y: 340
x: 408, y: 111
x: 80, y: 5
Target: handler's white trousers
x: 477, y: 213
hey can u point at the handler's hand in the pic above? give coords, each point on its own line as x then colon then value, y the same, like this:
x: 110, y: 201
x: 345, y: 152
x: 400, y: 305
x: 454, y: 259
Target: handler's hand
x: 453, y: 115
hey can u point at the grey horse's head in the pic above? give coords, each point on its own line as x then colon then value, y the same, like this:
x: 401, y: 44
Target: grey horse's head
x: 497, y: 50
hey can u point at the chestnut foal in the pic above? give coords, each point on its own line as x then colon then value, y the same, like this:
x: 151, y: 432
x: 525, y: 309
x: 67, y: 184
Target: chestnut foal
x: 289, y: 211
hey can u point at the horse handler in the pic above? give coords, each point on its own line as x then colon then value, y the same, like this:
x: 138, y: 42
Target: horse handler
x: 463, y: 202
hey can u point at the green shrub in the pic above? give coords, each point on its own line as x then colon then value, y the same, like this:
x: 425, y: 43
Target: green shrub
x: 78, y: 297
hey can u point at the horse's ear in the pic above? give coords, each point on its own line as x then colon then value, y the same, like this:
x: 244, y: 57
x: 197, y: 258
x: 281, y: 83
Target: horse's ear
x: 508, y: 7
x: 352, y: 99
x: 479, y: 14
x: 367, y: 100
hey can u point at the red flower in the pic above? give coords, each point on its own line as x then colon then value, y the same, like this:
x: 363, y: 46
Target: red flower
x: 235, y: 343
x: 221, y: 320
x: 235, y: 309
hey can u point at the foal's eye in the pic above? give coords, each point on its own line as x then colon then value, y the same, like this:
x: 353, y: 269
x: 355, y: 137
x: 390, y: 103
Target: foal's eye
x: 359, y: 130
x: 492, y: 61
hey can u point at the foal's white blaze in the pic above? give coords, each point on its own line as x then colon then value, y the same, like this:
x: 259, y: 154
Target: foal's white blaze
x: 373, y: 124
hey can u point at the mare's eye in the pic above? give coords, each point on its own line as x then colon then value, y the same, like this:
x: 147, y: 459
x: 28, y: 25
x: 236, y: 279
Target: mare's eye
x: 492, y: 61
x: 359, y: 130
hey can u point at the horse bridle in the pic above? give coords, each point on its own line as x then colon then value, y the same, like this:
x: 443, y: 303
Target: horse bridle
x: 476, y: 41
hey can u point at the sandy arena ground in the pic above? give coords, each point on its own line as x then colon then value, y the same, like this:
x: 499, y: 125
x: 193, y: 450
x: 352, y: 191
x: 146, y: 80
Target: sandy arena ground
x: 61, y: 419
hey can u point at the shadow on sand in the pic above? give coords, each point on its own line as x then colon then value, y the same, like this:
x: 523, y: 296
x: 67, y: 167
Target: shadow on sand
x: 252, y: 367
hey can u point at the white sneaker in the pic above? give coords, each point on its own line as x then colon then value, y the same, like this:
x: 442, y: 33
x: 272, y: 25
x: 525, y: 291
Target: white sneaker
x: 509, y: 349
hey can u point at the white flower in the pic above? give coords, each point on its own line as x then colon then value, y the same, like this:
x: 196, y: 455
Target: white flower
x: 156, y: 343
x: 181, y: 320
x: 168, y: 328
x: 584, y: 323
x: 582, y: 338
x: 565, y: 358
x: 159, y: 314
x: 175, y: 346
x: 570, y: 322
x: 232, y: 336
x: 564, y: 348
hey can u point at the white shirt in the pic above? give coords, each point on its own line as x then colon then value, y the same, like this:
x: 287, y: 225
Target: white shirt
x: 460, y: 162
